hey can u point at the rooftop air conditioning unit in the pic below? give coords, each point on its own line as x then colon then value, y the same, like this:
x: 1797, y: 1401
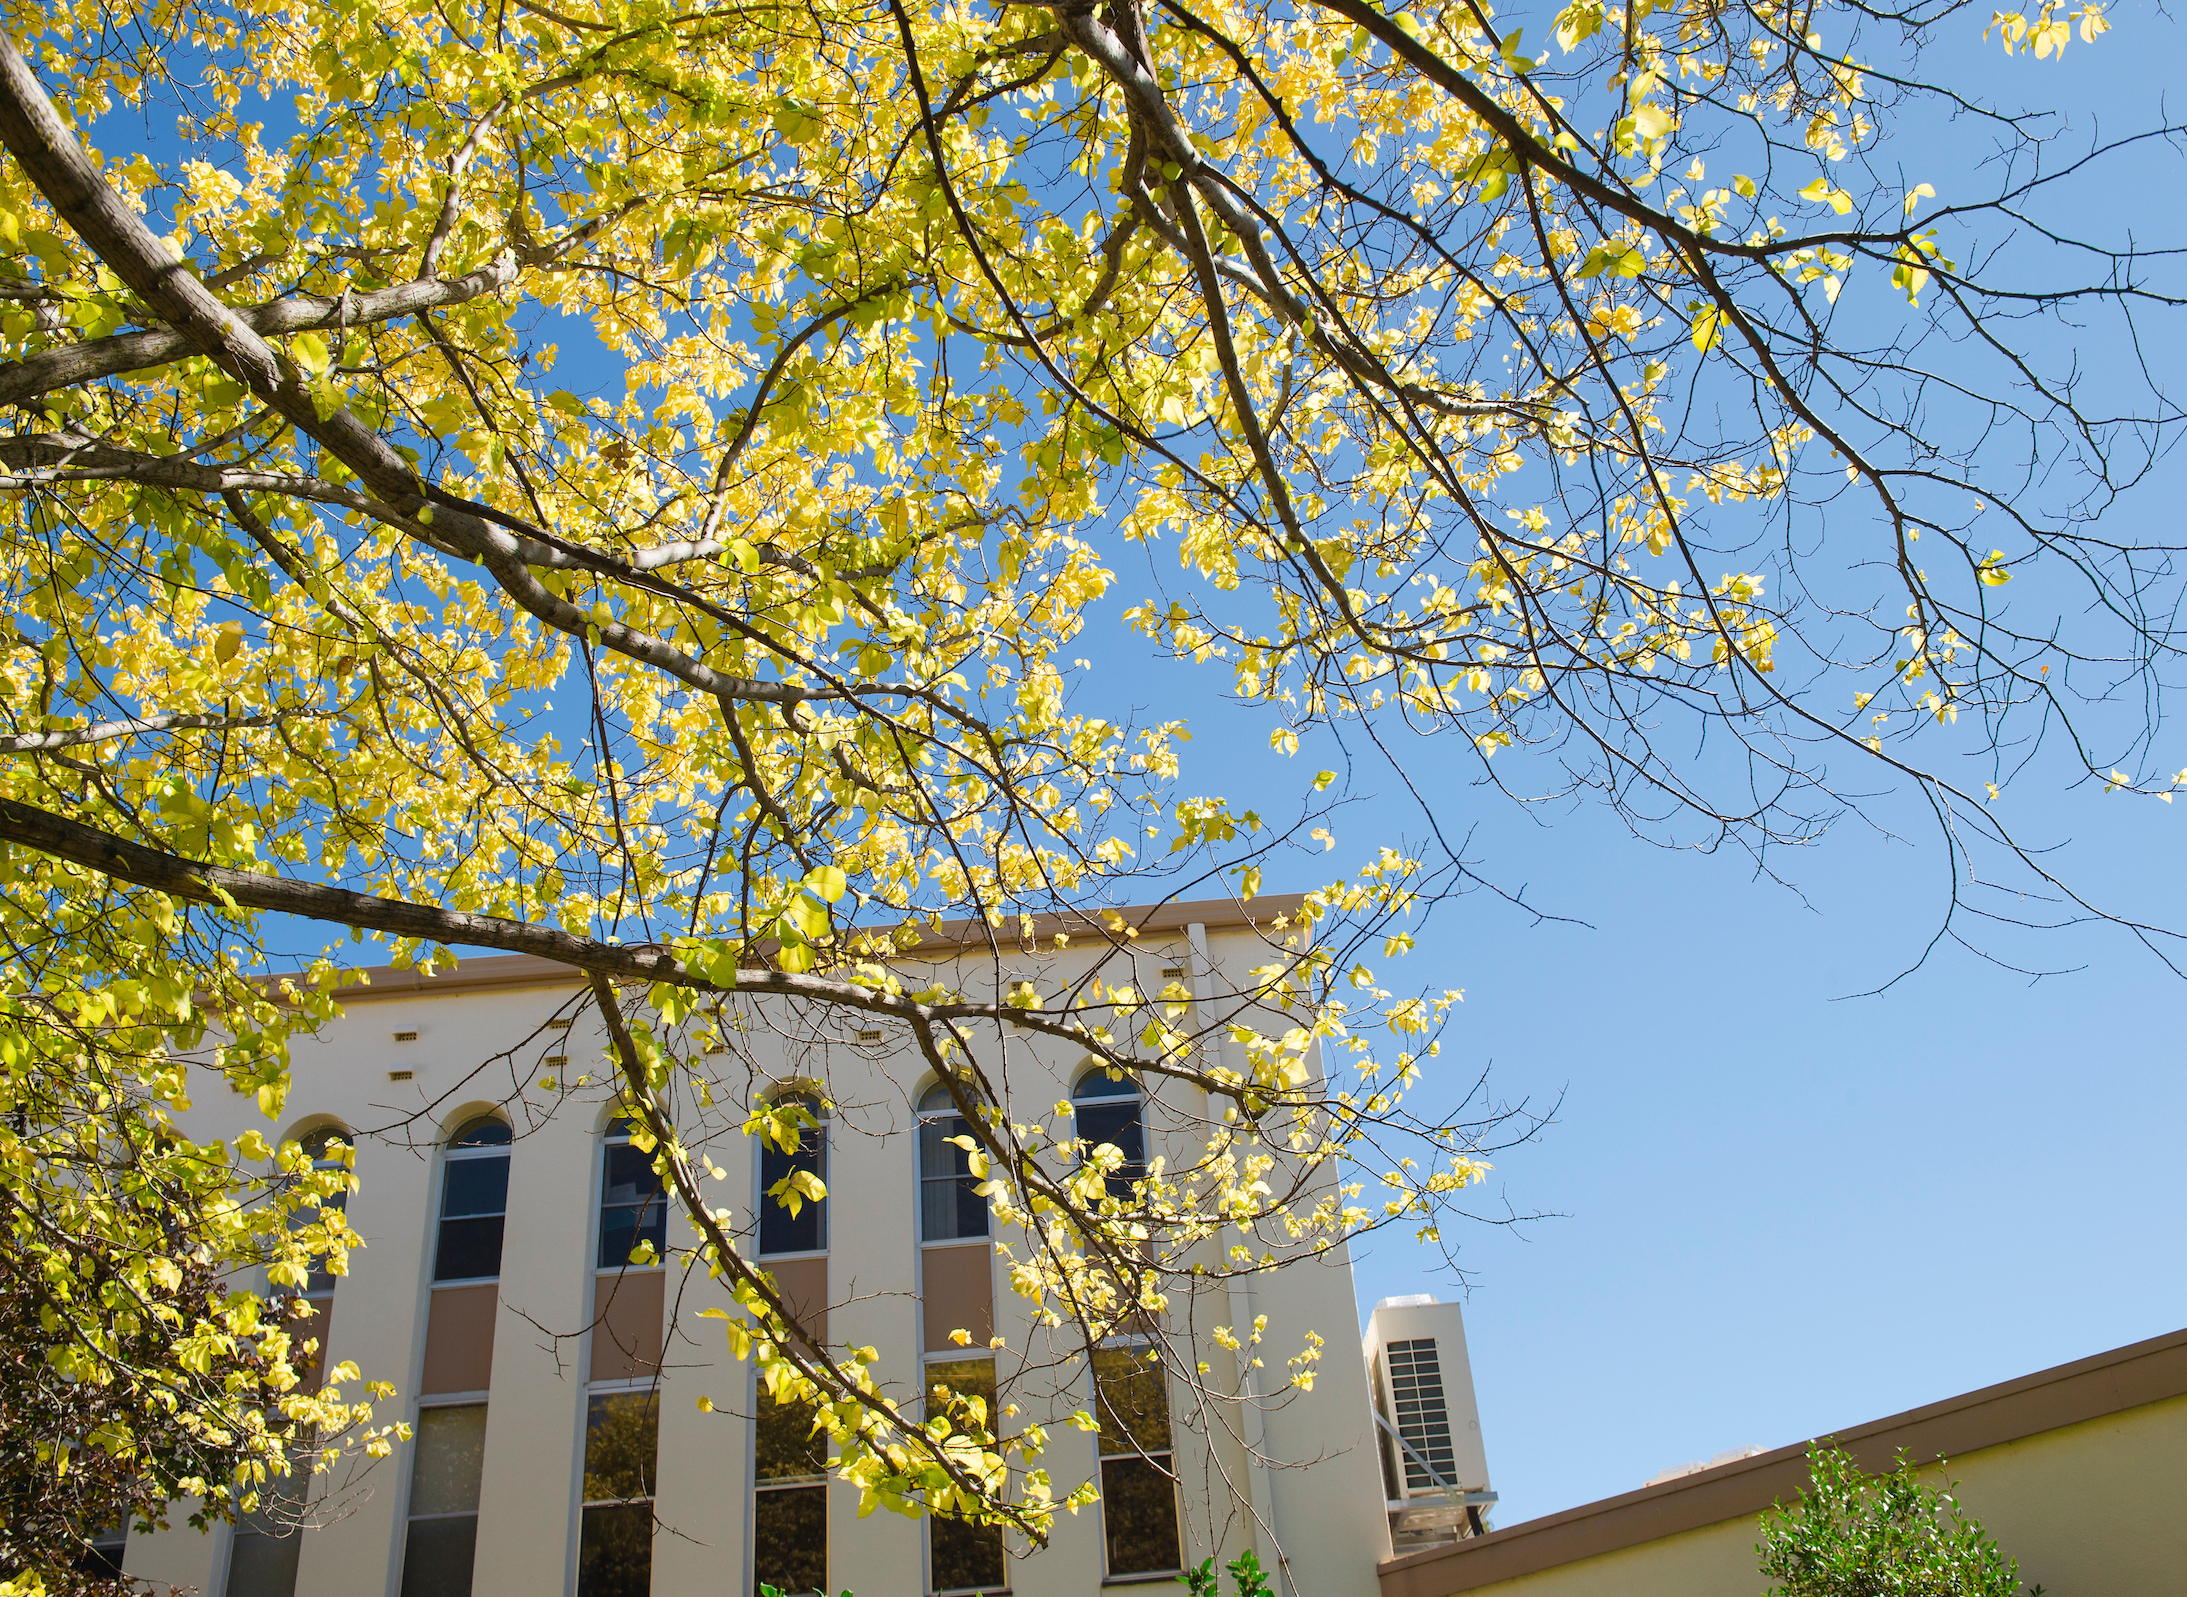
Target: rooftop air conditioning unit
x: 1434, y: 1467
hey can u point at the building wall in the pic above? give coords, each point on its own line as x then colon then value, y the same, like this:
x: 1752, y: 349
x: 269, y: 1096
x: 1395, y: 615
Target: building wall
x: 478, y: 1046
x: 2089, y: 1507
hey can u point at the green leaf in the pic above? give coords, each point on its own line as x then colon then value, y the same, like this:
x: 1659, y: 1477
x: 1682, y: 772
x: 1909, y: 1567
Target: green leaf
x: 808, y: 916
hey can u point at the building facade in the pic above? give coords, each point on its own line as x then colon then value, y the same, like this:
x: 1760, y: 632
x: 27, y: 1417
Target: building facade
x: 555, y: 1388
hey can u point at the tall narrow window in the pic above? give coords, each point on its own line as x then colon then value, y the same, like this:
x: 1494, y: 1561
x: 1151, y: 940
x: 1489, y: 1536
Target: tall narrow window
x: 1138, y: 1489
x: 790, y: 1500
x: 474, y: 1202
x: 1108, y: 1111
x: 315, y: 1315
x: 615, y: 1545
x: 448, y: 1455
x: 949, y: 1208
x: 103, y: 1555
x: 800, y: 1226
x: 263, y: 1552
x: 633, y: 1203
x: 267, y: 1545
x: 326, y: 1148
x: 962, y: 1557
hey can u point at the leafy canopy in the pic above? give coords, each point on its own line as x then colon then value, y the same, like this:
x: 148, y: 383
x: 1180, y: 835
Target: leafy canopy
x: 622, y: 482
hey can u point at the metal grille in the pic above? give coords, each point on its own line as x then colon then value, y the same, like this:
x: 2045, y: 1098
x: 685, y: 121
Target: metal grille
x: 1416, y: 1393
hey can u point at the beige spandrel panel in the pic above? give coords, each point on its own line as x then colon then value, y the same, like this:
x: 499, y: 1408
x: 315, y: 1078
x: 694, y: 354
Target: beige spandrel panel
x: 527, y: 1494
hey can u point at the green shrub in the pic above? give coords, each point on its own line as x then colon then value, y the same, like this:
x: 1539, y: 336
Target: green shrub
x: 1858, y: 1535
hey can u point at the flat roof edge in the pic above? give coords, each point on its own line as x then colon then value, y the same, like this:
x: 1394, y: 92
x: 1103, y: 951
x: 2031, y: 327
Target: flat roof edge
x: 489, y: 972
x: 2092, y: 1388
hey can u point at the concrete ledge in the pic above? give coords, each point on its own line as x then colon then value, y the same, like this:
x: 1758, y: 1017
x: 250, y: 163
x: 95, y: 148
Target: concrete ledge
x: 2087, y: 1389
x: 486, y: 972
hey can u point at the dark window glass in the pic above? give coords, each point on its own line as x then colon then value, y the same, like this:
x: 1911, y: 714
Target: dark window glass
x: 103, y: 1557
x: 262, y: 1556
x: 1138, y: 1497
x: 622, y: 1431
x: 263, y: 1565
x: 1131, y: 1401
x: 1139, y: 1515
x: 633, y: 1205
x: 1109, y: 1111
x: 323, y: 1147
x: 474, y: 1200
x: 790, y: 1539
x: 468, y: 1248
x: 447, y: 1457
x: 615, y: 1544
x: 949, y: 1208
x: 476, y: 1186
x: 785, y: 1446
x: 963, y: 1557
x: 484, y: 1132
x: 437, y: 1557
x: 780, y: 1231
x: 615, y: 1551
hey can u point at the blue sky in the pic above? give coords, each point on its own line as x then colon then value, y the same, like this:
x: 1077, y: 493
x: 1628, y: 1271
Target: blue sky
x: 1772, y: 1208
x: 1776, y: 1209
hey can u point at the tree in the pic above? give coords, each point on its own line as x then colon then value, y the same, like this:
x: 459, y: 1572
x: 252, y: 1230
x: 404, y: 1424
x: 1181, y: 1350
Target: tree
x: 621, y: 483
x: 136, y: 1367
x: 1857, y: 1535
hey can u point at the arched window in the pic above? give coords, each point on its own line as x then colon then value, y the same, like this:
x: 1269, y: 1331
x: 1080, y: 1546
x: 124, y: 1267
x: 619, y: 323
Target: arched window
x: 325, y: 1149
x: 474, y: 1202
x: 949, y: 1208
x: 633, y: 1201
x: 804, y: 1227
x: 1108, y: 1110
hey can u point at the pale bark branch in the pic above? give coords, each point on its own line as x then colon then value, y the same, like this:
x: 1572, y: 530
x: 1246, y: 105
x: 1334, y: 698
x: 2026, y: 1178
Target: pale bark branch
x: 97, y: 358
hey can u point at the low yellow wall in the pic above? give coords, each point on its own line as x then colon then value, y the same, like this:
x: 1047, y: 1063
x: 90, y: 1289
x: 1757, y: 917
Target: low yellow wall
x: 2097, y: 1509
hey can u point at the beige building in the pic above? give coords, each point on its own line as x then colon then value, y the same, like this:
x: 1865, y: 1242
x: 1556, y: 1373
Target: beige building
x: 561, y: 1449
x: 2077, y: 1472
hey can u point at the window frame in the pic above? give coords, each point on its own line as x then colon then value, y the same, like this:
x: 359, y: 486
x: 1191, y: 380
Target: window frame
x: 616, y: 1136
x: 1114, y: 1092
x: 760, y: 1202
x: 650, y: 1388
x: 452, y: 1154
x: 439, y: 1400
x: 312, y: 1291
x: 929, y: 1118
x: 782, y: 1485
x: 1164, y: 1461
x: 927, y: 1361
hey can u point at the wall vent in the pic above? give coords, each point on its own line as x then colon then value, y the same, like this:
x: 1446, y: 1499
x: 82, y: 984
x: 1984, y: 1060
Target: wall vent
x: 400, y: 1075
x: 560, y: 1024
x: 869, y: 1036
x: 556, y: 1060
x: 406, y: 1036
x: 1423, y: 1419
